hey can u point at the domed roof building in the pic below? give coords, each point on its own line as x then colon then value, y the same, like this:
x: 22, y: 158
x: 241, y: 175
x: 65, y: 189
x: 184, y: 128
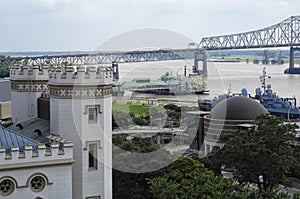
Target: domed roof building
x: 227, y: 116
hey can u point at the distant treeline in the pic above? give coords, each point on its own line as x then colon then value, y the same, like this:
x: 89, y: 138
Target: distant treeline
x: 42, y: 53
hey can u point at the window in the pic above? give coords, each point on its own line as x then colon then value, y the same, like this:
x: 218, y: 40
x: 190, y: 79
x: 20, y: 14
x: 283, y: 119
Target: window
x: 37, y: 183
x: 93, y: 116
x: 93, y: 197
x: 7, y: 186
x: 92, y: 111
x: 93, y: 154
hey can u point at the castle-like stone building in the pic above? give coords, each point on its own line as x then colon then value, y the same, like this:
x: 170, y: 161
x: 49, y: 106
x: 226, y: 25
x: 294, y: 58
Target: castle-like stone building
x: 59, y: 145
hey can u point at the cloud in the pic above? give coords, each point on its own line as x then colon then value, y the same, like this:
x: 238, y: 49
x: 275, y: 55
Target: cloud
x: 47, y: 3
x: 146, y: 38
x: 85, y: 24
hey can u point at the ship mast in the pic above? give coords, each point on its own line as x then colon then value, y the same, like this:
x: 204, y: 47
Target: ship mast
x: 263, y: 79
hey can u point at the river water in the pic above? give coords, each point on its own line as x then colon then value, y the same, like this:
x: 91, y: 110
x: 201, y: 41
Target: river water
x: 220, y: 76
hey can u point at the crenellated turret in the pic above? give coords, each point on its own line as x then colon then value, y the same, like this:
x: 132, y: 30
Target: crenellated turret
x: 82, y: 75
x: 29, y: 72
x: 80, y: 104
x: 80, y: 82
x: 27, y: 85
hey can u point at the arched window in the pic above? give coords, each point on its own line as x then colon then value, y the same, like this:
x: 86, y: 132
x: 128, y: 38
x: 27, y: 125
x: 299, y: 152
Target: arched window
x: 7, y: 186
x: 37, y: 183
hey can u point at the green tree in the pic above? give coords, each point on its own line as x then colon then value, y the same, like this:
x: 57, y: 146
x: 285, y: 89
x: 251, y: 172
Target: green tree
x: 263, y: 155
x: 131, y: 158
x: 4, y: 67
x: 4, y: 71
x: 188, y: 178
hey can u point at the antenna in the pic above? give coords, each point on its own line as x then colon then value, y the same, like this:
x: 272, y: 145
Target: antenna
x: 229, y: 89
x: 263, y: 79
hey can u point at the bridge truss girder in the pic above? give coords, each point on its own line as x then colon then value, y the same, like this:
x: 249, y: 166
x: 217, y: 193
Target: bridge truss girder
x: 109, y: 57
x: 283, y: 34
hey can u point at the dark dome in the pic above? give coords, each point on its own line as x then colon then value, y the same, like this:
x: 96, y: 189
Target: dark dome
x: 237, y: 108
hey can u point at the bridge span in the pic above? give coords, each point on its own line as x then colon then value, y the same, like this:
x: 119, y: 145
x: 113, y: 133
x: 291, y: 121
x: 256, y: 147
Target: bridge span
x: 116, y: 57
x: 283, y: 34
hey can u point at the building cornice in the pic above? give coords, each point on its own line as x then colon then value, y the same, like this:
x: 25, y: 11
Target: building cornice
x: 29, y: 85
x: 24, y: 165
x: 80, y: 91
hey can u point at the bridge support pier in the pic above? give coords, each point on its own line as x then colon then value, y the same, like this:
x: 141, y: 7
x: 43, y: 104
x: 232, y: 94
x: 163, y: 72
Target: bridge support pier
x: 291, y: 61
x: 292, y: 69
x: 202, y: 72
x: 205, y: 73
x: 292, y: 56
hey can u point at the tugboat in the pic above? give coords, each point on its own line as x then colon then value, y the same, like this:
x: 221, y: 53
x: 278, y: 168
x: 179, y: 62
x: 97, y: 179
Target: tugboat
x: 275, y: 104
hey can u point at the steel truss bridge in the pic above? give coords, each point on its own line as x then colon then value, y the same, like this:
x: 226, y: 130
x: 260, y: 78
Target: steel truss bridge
x: 110, y: 57
x: 283, y: 34
x: 116, y: 57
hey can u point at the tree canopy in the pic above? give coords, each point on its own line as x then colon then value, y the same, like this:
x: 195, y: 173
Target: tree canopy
x: 263, y: 155
x: 133, y: 161
x: 188, y: 178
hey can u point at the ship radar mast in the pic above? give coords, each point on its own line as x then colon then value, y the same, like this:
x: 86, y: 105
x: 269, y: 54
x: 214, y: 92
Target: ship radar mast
x: 263, y: 79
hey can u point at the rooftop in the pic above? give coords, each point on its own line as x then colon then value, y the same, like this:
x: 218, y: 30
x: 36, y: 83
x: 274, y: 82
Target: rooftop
x: 8, y: 139
x: 238, y: 108
x: 36, y: 129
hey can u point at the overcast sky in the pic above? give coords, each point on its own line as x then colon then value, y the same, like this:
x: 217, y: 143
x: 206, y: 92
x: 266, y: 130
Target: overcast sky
x: 69, y: 25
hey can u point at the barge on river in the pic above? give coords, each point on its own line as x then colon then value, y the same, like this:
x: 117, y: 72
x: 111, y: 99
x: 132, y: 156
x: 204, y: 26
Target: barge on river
x: 167, y: 85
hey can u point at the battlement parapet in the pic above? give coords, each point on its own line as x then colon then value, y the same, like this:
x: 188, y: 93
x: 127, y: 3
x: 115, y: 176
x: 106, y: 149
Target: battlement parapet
x: 41, y: 152
x: 89, y: 75
x: 29, y: 72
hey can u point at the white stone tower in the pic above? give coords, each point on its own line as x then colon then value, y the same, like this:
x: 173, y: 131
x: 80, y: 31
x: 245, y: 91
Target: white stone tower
x: 80, y: 104
x: 27, y: 85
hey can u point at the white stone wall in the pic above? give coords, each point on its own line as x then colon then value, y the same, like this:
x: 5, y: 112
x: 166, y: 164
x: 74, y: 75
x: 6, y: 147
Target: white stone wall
x: 53, y: 164
x: 68, y: 118
x: 107, y: 145
x: 24, y: 105
x: 60, y: 182
x: 24, y: 99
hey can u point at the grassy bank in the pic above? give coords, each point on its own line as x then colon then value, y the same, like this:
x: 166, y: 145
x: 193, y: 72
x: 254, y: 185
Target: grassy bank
x: 131, y: 108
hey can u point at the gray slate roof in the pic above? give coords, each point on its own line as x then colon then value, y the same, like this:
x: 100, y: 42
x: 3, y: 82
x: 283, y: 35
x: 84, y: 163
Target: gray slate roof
x: 30, y: 126
x: 5, y: 90
x: 8, y: 138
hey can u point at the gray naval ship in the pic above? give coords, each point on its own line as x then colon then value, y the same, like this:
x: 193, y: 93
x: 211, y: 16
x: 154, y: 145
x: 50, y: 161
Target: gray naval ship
x: 275, y: 104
